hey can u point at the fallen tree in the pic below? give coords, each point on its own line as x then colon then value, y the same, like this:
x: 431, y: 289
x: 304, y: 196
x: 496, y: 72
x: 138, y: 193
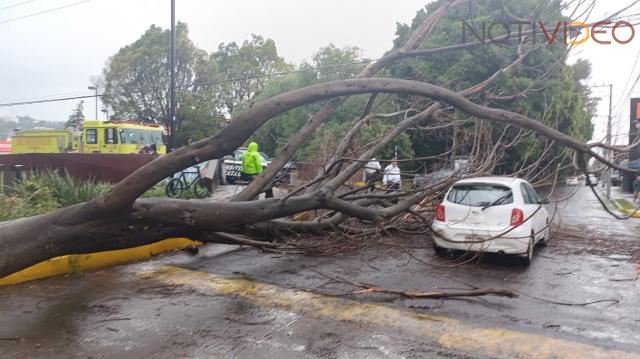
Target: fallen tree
x: 121, y: 219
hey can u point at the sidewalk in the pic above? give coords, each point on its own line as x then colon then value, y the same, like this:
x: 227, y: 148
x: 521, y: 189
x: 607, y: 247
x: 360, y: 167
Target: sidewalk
x: 623, y: 201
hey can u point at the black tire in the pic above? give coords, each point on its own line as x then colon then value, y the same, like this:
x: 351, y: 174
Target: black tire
x: 527, y: 259
x: 175, y: 188
x: 439, y: 250
x: 200, y: 189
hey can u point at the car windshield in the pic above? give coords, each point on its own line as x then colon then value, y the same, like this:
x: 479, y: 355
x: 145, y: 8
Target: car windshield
x: 480, y: 194
x: 140, y: 137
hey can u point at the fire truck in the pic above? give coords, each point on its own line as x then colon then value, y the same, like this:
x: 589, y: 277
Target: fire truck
x: 121, y: 137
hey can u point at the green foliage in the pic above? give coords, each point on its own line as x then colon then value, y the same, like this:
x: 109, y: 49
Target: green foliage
x: 137, y: 80
x: 245, y: 69
x: 324, y: 67
x: 68, y: 190
x: 28, y: 198
x: 77, y: 117
x: 557, y: 96
x: 325, y: 60
x: 208, y: 86
x: 156, y: 191
x: 46, y: 193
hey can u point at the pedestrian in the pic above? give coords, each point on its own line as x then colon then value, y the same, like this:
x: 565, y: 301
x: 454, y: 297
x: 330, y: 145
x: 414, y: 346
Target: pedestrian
x: 391, y: 179
x: 636, y: 189
x: 371, y: 173
x: 252, y: 166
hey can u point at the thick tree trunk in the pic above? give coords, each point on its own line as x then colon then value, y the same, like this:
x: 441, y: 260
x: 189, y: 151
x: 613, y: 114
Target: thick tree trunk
x: 117, y: 220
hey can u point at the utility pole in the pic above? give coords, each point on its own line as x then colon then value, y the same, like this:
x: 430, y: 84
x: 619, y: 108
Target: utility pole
x: 172, y: 112
x: 96, y: 89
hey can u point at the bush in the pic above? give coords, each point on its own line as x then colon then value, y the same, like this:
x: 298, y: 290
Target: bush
x: 69, y: 191
x: 27, y: 198
x: 156, y: 191
x: 46, y: 193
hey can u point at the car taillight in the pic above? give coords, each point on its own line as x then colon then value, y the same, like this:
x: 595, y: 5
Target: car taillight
x: 440, y: 213
x: 517, y: 217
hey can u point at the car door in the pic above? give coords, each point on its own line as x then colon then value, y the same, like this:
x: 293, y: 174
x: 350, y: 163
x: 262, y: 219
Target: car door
x: 540, y: 216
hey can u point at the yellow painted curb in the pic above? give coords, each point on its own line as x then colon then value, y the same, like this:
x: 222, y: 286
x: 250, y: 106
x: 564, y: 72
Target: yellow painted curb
x: 494, y: 342
x: 79, y: 262
x: 633, y: 213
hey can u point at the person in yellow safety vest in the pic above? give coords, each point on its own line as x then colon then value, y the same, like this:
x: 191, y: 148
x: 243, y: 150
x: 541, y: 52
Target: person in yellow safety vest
x: 251, y: 162
x: 252, y: 166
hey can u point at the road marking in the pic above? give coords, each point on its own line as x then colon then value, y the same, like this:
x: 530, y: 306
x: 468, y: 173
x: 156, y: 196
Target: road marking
x: 450, y: 333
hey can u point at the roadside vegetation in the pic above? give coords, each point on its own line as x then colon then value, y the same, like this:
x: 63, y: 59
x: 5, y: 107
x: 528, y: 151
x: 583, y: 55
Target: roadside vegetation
x: 45, y: 193
x: 51, y: 190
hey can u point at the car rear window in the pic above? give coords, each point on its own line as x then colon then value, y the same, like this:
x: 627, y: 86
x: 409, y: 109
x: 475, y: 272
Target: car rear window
x: 480, y: 194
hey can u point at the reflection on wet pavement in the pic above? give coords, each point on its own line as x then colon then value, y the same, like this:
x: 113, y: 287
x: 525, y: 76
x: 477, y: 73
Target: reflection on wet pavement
x: 123, y: 312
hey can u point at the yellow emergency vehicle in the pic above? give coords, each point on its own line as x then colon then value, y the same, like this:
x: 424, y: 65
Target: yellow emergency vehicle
x: 121, y: 137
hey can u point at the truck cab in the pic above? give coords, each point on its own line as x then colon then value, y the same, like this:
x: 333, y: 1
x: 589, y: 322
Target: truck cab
x: 120, y: 137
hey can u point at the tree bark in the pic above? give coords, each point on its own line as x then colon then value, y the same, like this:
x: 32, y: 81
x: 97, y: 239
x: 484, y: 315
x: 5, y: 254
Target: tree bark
x: 117, y: 220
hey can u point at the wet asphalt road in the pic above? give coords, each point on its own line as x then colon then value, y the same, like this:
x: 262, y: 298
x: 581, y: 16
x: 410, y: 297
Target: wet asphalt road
x: 126, y: 312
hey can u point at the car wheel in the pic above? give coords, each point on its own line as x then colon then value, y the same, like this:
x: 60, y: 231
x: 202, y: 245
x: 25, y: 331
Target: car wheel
x: 439, y: 250
x: 528, y: 257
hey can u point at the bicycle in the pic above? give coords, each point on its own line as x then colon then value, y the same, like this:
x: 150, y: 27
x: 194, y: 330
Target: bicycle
x: 177, y: 185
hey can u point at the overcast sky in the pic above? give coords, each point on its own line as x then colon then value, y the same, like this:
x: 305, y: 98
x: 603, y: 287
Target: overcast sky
x: 56, y: 53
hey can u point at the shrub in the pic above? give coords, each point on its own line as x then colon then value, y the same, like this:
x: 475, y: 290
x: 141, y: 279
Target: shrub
x: 27, y: 198
x: 69, y: 190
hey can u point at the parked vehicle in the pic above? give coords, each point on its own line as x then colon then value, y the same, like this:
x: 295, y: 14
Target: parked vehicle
x: 616, y: 178
x: 573, y: 181
x: 233, y: 167
x: 121, y: 137
x: 431, y: 178
x: 491, y: 214
x: 593, y: 179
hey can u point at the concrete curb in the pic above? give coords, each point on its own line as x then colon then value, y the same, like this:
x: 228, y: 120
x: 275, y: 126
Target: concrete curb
x: 81, y: 262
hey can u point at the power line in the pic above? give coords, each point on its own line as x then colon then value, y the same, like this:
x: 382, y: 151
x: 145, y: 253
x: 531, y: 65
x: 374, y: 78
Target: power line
x: 16, y: 5
x: 212, y: 83
x: 43, y: 12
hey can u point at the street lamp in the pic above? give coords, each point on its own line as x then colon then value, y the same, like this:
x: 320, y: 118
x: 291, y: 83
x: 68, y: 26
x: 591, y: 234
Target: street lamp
x: 96, y: 89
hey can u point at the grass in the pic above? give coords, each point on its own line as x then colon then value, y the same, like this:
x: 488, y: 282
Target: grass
x: 624, y: 204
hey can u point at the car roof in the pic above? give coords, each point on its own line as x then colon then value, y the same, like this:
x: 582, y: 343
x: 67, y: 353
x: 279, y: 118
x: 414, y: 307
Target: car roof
x: 492, y: 179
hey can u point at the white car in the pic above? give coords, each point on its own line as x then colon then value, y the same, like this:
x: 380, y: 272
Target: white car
x: 593, y: 179
x: 491, y: 214
x: 573, y: 181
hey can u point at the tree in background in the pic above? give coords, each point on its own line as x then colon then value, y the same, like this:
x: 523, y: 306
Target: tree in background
x: 245, y: 70
x: 137, y: 79
x: 545, y: 86
x: 469, y: 105
x: 76, y: 118
x: 327, y: 64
